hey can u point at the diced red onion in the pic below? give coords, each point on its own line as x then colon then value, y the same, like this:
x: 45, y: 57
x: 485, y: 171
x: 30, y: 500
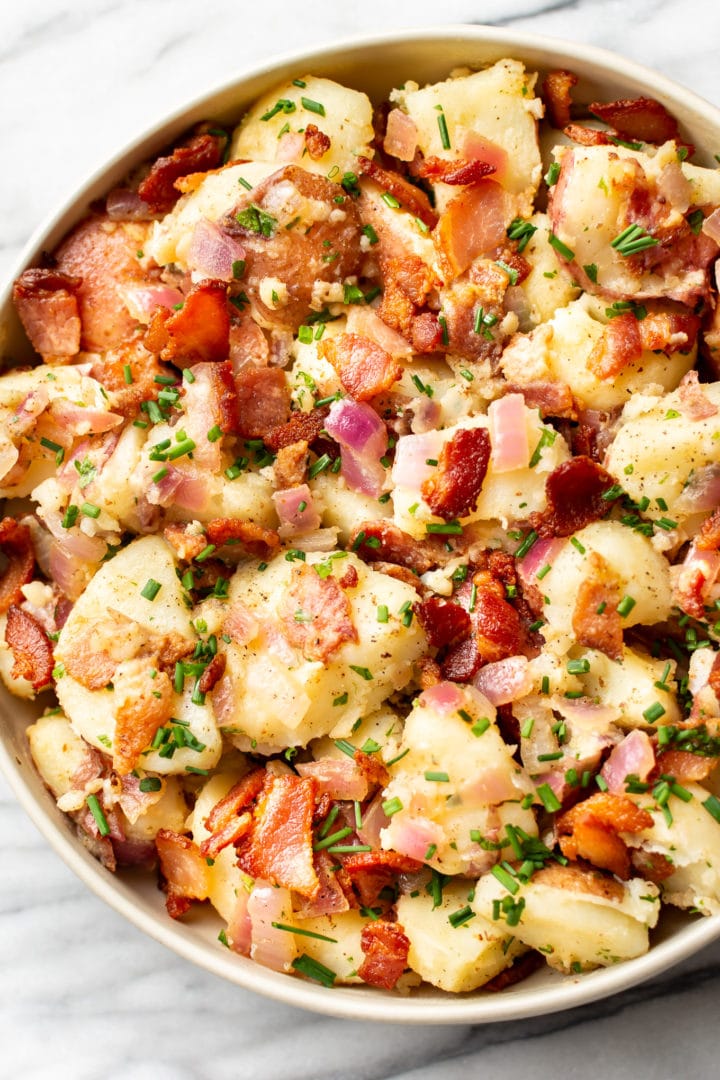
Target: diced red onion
x: 444, y: 698
x: 542, y: 553
x: 290, y: 146
x: 400, y: 135
x: 475, y: 147
x: 489, y: 787
x: 143, y: 300
x: 426, y: 414
x: 674, y: 187
x: 363, y: 441
x: 508, y: 433
x: 179, y: 488
x: 340, y: 778
x: 273, y: 948
x: 711, y: 228
x: 633, y: 756
x: 24, y: 417
x: 330, y: 899
x: 702, y: 491
x: 374, y: 819
x: 410, y: 468
x: 413, y: 836
x: 296, y: 511
x: 122, y: 204
x: 9, y: 455
x: 239, y: 931
x: 83, y: 421
x: 213, y: 252
x: 505, y: 680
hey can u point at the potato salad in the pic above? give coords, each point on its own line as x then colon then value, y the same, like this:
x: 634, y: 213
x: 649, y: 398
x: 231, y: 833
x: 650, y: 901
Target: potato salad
x: 361, y: 528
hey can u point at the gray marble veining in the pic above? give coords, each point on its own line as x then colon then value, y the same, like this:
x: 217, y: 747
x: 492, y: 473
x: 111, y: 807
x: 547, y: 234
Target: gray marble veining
x: 85, y: 995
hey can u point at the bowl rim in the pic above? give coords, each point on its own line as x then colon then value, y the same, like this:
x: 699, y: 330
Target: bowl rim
x: 353, y: 1002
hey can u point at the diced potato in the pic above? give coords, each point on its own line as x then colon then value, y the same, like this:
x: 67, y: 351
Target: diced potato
x: 216, y: 196
x: 454, y: 958
x: 56, y: 751
x: 342, y: 508
x: 630, y: 685
x: 169, y: 812
x: 385, y: 727
x: 691, y: 842
x: 497, y: 104
x: 545, y: 289
x: 279, y: 698
x: 505, y: 496
x: 659, y: 447
x: 344, y: 955
x: 560, y: 348
x: 346, y: 118
x: 642, y: 573
x: 578, y: 919
x: 454, y: 779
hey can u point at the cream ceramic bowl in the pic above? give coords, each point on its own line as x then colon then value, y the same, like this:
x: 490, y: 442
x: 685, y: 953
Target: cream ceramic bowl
x: 374, y: 64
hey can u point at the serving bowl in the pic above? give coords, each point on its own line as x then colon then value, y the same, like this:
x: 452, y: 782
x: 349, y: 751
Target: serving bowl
x: 373, y: 64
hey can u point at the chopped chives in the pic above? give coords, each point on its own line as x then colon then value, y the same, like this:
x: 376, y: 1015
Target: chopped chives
x: 150, y: 783
x: 332, y: 839
x: 305, y: 933
x: 480, y: 726
x: 150, y: 589
x: 712, y: 805
x: 459, y: 918
x: 90, y: 510
x: 506, y: 879
x: 562, y: 249
x: 348, y: 849
x: 312, y: 969
x: 70, y: 516
x: 389, y: 199
x: 313, y: 106
x: 346, y: 747
x: 526, y: 544
x: 548, y: 798
x: 96, y: 810
x: 439, y: 777
x: 392, y: 806
x: 578, y: 667
x: 214, y: 433
x: 625, y: 606
x: 443, y: 128
x: 205, y: 553
x: 382, y: 613
x: 654, y: 712
x: 363, y: 672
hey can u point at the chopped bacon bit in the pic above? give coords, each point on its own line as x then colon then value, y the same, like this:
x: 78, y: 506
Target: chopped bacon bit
x: 184, y: 869
x: 331, y: 898
x: 371, y: 871
x: 444, y: 622
x: 453, y: 490
x: 316, y: 141
x: 521, y: 968
x: 708, y: 539
x: 556, y: 93
x: 198, y: 154
x: 31, y: 648
x: 552, y: 399
x: 364, y: 368
x: 255, y: 540
x: 695, y: 402
x: 472, y: 224
x: 186, y: 543
x: 17, y: 547
x: 498, y: 629
x: 411, y: 198
x: 590, y: 830
x: 301, y: 426
x: 291, y: 465
x: 652, y: 865
x: 399, y: 573
x: 430, y: 672
x: 386, y: 948
x: 110, y: 370
x: 599, y: 629
x: 238, y: 798
x: 280, y: 845
x: 642, y: 119
x: 263, y: 396
x: 349, y: 579
x: 580, y: 879
x: 574, y: 497
x: 684, y: 766
x: 92, y: 669
x: 394, y: 546
x: 47, y: 305
x: 586, y: 136
x: 316, y: 614
x: 426, y: 333
x: 373, y: 769
x: 200, y: 331
x: 619, y: 345
x: 457, y: 173
x: 462, y: 662
x: 144, y: 707
x: 212, y: 673
x: 407, y: 281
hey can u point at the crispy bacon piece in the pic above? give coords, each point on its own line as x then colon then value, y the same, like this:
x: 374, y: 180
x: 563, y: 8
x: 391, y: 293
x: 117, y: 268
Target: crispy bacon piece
x: 184, y: 869
x: 574, y: 493
x: 263, y: 398
x: 145, y: 706
x: 364, y: 368
x: 684, y: 766
x: 552, y: 399
x: 453, y: 490
x: 556, y: 93
x: 407, y: 281
x: 212, y: 673
x: 642, y: 119
x: 92, y: 669
x: 430, y: 672
x: 708, y: 539
x: 497, y: 626
x: 521, y: 968
x: 372, y: 769
x: 370, y: 872
x: 411, y: 198
x: 596, y: 621
x: 31, y: 648
x: 17, y: 547
x: 349, y: 579
x: 444, y: 622
x: 280, y: 845
x: 316, y: 141
x: 394, y: 546
x: 316, y: 614
x: 199, y: 154
x: 590, y: 830
x: 226, y: 822
x: 301, y: 426
x: 200, y: 331
x: 472, y: 224
x: 331, y: 898
x: 426, y: 333
x: 386, y: 947
x: 255, y: 540
x: 670, y: 331
x: 695, y: 402
x: 110, y: 369
x: 456, y: 173
x: 586, y: 136
x: 619, y: 345
x: 291, y: 465
x: 187, y: 544
x: 47, y: 305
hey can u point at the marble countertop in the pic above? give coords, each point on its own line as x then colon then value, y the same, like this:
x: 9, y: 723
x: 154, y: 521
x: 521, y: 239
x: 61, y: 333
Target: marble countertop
x: 84, y: 994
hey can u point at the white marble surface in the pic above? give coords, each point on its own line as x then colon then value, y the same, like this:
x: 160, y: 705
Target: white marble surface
x: 83, y: 994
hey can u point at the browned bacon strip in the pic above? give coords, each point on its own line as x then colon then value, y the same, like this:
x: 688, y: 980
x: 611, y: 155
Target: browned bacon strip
x: 31, y: 648
x: 444, y: 622
x: 364, y: 368
x: 453, y: 490
x: 16, y: 545
x: 316, y: 614
x: 591, y: 831
x: 316, y: 141
x: 200, y: 331
x: 255, y: 540
x: 638, y: 118
x: 263, y: 398
x: 184, y: 869
x: 280, y: 845
x: 556, y: 92
x: 596, y: 621
x: 455, y: 173
x: 386, y: 947
x: 199, y: 154
x: 411, y: 198
x: 47, y: 305
x: 574, y: 497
